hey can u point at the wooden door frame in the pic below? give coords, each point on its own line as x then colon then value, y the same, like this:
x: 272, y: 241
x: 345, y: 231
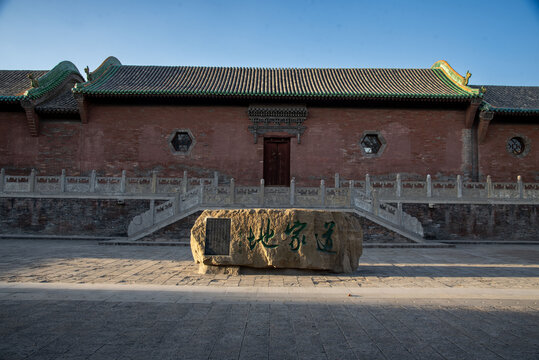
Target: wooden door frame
x: 284, y: 140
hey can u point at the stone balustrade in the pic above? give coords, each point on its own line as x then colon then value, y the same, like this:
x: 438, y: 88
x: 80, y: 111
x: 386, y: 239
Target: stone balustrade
x: 397, y: 190
x: 232, y: 197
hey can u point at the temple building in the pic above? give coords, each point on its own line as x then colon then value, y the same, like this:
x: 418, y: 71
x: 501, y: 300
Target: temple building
x: 275, y: 124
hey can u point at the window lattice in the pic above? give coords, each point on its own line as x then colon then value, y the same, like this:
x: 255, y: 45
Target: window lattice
x: 371, y: 144
x: 182, y: 142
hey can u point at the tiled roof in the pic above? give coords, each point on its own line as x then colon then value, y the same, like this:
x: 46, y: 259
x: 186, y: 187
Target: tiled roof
x: 14, y: 83
x: 512, y: 99
x: 190, y: 81
x: 52, y: 79
x: 110, y: 61
x: 15, y: 86
x: 63, y: 103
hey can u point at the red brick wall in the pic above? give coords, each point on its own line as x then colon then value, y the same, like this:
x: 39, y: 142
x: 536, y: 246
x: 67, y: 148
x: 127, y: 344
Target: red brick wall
x: 56, y: 147
x: 17, y: 149
x: 419, y: 142
x: 494, y: 159
x: 135, y: 138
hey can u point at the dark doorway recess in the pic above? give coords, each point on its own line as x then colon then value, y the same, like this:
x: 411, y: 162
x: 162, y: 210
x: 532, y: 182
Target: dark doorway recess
x: 277, y: 161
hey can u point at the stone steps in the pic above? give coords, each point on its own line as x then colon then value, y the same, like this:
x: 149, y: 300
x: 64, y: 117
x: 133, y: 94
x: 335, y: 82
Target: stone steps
x: 376, y: 219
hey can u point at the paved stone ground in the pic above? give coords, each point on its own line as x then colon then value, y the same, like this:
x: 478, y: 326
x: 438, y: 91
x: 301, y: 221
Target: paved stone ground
x: 79, y: 300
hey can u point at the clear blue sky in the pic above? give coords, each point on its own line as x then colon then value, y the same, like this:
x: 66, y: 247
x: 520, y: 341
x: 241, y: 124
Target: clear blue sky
x: 497, y: 40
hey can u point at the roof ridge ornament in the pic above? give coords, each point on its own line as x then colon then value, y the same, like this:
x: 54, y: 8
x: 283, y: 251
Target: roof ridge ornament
x: 33, y: 80
x: 455, y: 77
x: 468, y: 75
x: 88, y: 73
x: 51, y: 80
x: 105, y: 66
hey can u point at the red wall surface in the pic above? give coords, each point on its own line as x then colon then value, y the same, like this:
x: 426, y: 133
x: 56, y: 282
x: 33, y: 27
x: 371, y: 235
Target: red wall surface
x: 419, y: 142
x: 55, y: 149
x: 496, y: 161
x: 135, y: 138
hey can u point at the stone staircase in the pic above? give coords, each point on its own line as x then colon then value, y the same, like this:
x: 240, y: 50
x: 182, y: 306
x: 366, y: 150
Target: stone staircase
x: 230, y: 197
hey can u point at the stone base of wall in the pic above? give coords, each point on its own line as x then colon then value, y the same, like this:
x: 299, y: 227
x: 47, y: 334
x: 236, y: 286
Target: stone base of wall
x: 90, y: 217
x: 474, y: 222
x: 374, y: 233
x: 178, y: 231
x: 101, y: 217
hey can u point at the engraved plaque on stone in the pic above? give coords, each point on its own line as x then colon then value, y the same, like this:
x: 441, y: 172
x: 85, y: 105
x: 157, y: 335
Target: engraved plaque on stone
x: 217, y: 236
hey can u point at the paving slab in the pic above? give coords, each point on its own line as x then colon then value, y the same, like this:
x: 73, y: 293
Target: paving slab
x: 64, y: 299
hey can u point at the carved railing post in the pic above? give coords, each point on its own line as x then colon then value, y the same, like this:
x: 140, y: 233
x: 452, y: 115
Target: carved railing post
x: 93, y: 179
x: 178, y: 200
x: 292, y: 191
x: 32, y: 181
x: 215, y: 179
x: 152, y: 210
x: 232, y: 191
x: 375, y: 204
x: 261, y: 193
x: 122, y: 182
x: 459, y: 186
x: 351, y: 193
x: 368, y: 187
x: 201, y: 192
x: 322, y: 192
x: 184, y: 182
x: 520, y: 187
x: 154, y: 182
x: 2, y: 179
x: 337, y: 181
x: 398, y: 185
x: 429, y: 186
x: 489, y: 186
x: 399, y: 213
x: 63, y: 181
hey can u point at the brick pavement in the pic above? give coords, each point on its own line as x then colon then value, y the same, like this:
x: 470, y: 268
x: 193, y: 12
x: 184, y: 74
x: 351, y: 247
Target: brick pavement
x: 79, y: 300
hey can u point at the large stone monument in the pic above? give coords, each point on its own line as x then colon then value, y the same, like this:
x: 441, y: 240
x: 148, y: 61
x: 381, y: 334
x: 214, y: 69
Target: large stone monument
x: 267, y: 238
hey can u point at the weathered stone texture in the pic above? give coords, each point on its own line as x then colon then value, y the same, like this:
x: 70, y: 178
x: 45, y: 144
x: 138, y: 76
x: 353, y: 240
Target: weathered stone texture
x: 303, y: 239
x: 93, y: 217
x: 181, y: 231
x: 374, y: 233
x: 485, y: 221
x: 178, y: 231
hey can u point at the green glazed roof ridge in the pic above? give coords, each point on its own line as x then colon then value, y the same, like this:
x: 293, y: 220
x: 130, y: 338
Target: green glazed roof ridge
x: 512, y: 110
x: 86, y: 87
x: 52, y: 79
x: 108, y: 64
x: 454, y: 77
x: 9, y: 98
x: 443, y: 76
x: 486, y: 106
x: 105, y: 65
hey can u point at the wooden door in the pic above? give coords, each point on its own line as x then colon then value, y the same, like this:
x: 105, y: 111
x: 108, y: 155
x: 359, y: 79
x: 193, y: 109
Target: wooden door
x: 277, y: 161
